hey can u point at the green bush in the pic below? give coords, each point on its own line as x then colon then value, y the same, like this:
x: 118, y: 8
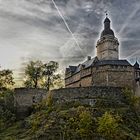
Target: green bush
x: 108, y: 125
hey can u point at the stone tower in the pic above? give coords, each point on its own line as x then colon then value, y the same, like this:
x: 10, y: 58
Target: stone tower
x: 107, y: 45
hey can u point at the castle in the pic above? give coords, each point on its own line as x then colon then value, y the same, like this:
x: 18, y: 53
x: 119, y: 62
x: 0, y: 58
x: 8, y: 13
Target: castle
x: 97, y: 78
x: 106, y: 69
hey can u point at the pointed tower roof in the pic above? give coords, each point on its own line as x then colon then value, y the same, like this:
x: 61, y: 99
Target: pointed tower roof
x: 107, y: 20
x: 107, y: 30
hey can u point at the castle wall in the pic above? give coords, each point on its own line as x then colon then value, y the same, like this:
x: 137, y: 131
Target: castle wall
x: 100, y: 78
x: 74, y: 84
x: 28, y: 96
x: 121, y: 78
x: 72, y: 80
x: 83, y: 82
x: 82, y: 78
x: 24, y: 98
x: 83, y: 95
x: 87, y: 95
x: 86, y: 81
x: 117, y: 76
x: 107, y: 75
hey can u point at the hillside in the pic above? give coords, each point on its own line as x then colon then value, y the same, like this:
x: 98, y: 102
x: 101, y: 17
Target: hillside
x: 107, y: 119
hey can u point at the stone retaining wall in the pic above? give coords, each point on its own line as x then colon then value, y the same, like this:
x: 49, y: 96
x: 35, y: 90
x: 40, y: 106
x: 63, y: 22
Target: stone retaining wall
x: 25, y: 98
x: 87, y: 95
x: 28, y: 96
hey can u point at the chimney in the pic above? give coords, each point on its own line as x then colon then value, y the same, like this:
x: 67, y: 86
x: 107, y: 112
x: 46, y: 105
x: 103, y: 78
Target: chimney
x: 89, y: 58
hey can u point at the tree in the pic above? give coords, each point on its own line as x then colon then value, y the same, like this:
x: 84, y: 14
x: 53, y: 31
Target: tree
x: 6, y: 78
x: 33, y: 73
x: 50, y: 75
x: 42, y: 75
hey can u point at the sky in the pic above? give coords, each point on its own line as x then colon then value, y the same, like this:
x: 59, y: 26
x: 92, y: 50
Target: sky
x: 35, y: 30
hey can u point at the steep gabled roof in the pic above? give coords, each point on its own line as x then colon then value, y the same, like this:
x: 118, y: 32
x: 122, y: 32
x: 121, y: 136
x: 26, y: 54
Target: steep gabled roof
x: 90, y: 62
x: 113, y: 62
x: 71, y: 69
x: 86, y: 64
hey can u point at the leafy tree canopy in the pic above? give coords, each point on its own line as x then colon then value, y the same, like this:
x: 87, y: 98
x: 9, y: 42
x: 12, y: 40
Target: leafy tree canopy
x: 6, y: 78
x: 42, y: 75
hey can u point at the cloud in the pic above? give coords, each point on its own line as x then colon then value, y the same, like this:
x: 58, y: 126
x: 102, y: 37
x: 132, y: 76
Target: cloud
x: 33, y: 29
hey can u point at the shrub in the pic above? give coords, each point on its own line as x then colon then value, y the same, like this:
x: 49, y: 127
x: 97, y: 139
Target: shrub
x: 108, y: 125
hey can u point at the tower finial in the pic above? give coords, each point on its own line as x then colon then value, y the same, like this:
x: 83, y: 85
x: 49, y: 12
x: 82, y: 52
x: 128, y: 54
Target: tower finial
x: 106, y: 13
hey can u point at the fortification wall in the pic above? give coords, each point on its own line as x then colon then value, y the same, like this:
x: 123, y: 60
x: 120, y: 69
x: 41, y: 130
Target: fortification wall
x: 24, y: 98
x: 28, y: 96
x: 84, y: 95
x: 87, y: 95
x: 116, y: 76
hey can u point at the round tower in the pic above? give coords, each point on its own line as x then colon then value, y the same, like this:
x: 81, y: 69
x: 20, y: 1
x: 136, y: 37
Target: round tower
x: 107, y: 45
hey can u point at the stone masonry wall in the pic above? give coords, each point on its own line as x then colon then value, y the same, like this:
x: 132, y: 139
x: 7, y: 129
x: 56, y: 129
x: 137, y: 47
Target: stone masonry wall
x: 86, y: 81
x: 83, y: 95
x: 108, y: 75
x: 26, y: 96
x: 87, y: 95
x: 107, y: 48
x: 117, y: 77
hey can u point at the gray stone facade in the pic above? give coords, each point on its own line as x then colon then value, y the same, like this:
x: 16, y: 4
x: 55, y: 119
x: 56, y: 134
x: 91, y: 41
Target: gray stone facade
x: 107, y: 48
x: 28, y: 96
x: 25, y: 98
x: 105, y: 75
x: 87, y: 95
x: 91, y: 95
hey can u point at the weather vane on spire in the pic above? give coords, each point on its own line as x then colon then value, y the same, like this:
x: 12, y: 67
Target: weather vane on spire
x: 106, y: 13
